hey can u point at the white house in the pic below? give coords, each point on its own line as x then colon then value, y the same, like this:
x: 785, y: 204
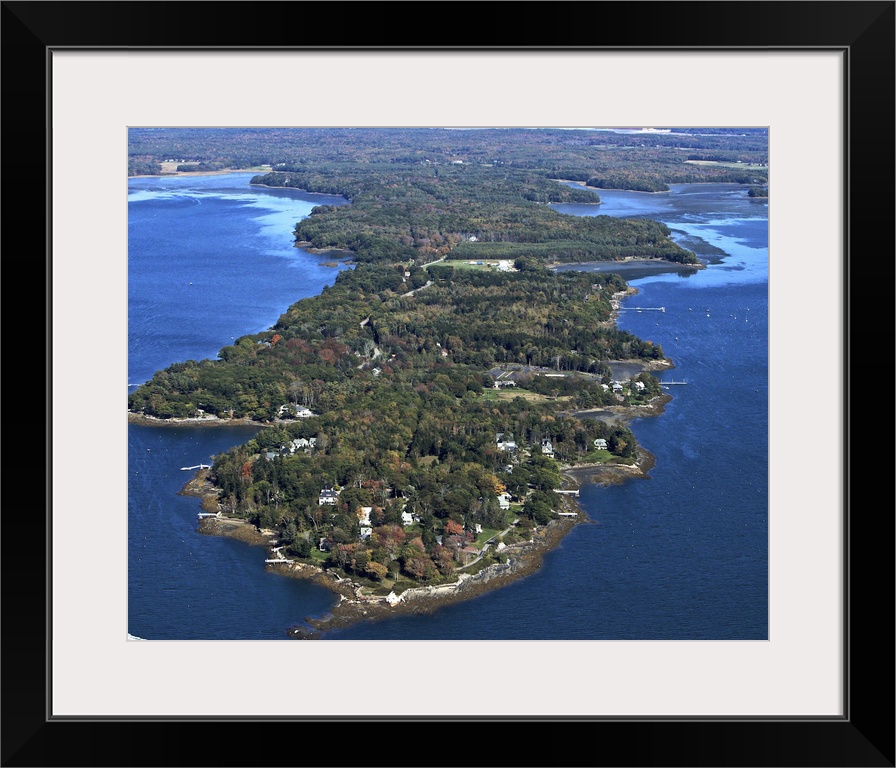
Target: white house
x: 505, y: 445
x: 600, y: 443
x: 407, y: 518
x: 366, y: 530
x: 504, y: 500
x: 547, y: 447
x: 639, y: 386
x: 297, y: 411
x: 302, y: 443
x: 328, y: 496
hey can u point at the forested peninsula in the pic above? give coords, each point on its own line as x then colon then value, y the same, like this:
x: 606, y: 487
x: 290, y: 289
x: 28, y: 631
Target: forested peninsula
x: 419, y: 418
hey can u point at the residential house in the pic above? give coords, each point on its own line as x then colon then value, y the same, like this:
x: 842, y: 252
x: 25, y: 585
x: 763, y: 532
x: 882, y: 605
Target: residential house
x: 328, y: 496
x: 302, y: 443
x: 600, y: 443
x: 504, y: 500
x: 295, y: 411
x: 364, y: 515
x: 547, y: 447
x: 505, y: 443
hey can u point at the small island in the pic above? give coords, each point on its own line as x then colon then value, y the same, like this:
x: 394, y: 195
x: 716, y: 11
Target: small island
x: 426, y: 421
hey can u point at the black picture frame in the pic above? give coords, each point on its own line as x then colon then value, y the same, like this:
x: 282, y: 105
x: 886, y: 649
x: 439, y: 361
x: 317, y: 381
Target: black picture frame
x: 863, y: 736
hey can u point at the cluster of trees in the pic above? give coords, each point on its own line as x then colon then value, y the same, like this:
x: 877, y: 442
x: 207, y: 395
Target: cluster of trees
x: 403, y: 325
x: 554, y: 153
x: 466, y: 212
x: 427, y: 454
x: 143, y: 166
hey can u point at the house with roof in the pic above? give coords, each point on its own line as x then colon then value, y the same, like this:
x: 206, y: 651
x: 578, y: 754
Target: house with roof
x: 600, y: 443
x: 328, y: 497
x: 505, y: 442
x: 291, y: 410
x: 547, y: 447
x: 364, y: 515
x: 302, y: 443
x: 504, y: 500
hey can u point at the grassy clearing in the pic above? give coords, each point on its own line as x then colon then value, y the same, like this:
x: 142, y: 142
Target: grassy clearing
x: 511, y: 392
x: 483, y: 537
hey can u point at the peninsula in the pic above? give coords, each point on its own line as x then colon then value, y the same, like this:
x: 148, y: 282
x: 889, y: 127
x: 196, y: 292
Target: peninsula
x: 420, y: 435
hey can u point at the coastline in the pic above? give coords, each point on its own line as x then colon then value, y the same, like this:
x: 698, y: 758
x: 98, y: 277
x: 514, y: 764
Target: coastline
x: 170, y: 174
x: 355, y: 603
x: 644, y: 267
x: 206, y: 421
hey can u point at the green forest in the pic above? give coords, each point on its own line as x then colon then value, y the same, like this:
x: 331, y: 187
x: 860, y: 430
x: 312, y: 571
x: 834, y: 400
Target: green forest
x: 415, y: 407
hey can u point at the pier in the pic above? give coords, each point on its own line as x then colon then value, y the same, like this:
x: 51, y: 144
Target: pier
x: 642, y: 309
x: 569, y: 493
x: 198, y: 466
x: 665, y: 383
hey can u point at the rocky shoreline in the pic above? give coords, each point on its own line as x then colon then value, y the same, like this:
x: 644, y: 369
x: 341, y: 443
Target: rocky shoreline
x: 355, y: 603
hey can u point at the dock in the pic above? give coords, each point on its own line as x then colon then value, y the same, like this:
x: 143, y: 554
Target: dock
x: 569, y: 493
x: 198, y: 466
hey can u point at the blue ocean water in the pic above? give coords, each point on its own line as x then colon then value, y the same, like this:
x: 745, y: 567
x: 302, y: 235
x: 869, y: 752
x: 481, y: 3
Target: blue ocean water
x: 680, y: 555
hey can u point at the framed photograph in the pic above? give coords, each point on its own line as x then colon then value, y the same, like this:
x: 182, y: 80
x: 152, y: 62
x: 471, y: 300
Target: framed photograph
x: 815, y: 688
